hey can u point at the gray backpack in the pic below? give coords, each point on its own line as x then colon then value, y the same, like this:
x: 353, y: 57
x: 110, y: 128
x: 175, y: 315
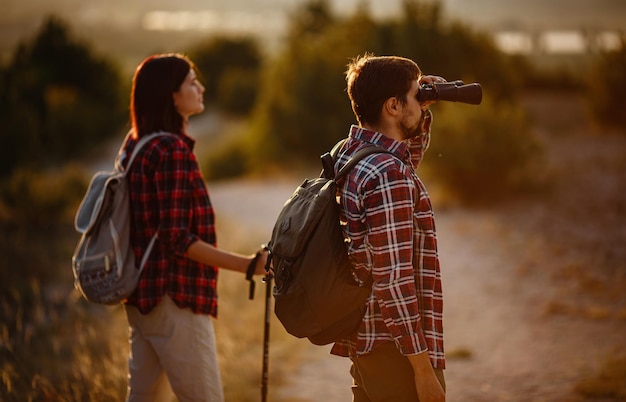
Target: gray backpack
x: 103, y: 262
x: 315, y: 293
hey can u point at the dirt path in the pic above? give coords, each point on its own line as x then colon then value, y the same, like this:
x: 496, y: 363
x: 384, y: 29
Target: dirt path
x: 534, y: 290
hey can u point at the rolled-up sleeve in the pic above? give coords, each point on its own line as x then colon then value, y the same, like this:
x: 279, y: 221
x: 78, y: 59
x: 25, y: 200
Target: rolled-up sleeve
x: 175, y: 196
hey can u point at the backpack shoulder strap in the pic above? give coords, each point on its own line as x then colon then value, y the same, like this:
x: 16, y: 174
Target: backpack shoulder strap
x: 140, y: 144
x: 328, y: 161
x: 360, y: 154
x: 329, y: 158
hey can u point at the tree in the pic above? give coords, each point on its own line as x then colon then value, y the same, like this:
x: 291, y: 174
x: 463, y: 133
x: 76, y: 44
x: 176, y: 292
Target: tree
x: 230, y: 71
x: 57, y: 99
x: 303, y: 108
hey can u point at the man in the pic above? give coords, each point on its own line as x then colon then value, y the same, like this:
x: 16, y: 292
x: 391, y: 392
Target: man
x: 397, y: 353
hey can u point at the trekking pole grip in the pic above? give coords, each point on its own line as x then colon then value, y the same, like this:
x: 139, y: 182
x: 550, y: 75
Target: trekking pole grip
x: 250, y: 274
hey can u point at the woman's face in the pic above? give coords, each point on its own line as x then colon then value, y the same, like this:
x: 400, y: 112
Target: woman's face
x: 189, y: 99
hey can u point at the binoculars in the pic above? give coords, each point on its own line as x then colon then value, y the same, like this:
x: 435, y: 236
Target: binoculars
x: 455, y: 91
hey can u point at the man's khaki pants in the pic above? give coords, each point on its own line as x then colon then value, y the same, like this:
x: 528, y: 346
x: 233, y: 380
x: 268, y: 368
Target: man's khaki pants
x: 172, y: 344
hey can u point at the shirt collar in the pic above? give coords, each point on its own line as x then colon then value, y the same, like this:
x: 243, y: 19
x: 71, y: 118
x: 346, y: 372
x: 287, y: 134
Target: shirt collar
x: 398, y: 148
x: 191, y: 142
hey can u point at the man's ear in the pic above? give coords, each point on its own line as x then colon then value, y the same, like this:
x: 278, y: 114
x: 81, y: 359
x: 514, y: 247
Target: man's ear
x: 391, y: 106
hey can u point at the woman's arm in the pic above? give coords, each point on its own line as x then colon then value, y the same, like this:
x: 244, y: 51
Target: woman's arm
x: 207, y: 254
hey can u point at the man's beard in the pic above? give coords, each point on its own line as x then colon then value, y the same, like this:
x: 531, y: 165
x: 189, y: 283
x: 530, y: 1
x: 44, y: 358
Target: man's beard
x: 421, y: 132
x: 413, y: 131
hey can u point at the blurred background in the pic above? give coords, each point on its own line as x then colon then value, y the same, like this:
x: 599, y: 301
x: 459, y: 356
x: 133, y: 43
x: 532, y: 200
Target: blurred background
x: 544, y: 156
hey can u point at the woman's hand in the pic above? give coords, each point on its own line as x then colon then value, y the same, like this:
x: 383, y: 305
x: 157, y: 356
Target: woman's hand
x: 261, y: 261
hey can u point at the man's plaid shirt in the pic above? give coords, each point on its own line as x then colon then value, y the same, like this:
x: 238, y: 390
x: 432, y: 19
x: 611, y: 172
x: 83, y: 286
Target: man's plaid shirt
x: 168, y: 192
x: 391, y: 227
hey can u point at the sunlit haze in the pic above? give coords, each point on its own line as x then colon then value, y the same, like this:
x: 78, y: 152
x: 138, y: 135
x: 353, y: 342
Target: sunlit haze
x: 521, y: 26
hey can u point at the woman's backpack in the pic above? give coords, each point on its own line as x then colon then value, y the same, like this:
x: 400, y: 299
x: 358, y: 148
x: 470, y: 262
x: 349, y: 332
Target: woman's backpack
x: 104, y: 262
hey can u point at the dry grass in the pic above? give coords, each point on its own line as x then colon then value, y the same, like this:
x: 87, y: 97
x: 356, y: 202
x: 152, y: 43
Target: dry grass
x: 240, y: 330
x: 55, y: 346
x: 67, y: 351
x: 79, y: 353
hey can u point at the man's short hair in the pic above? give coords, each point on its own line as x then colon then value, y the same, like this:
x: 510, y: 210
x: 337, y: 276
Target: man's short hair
x: 374, y: 79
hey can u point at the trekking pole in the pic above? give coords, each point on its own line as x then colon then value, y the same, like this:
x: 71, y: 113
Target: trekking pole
x: 266, y: 334
x: 268, y: 302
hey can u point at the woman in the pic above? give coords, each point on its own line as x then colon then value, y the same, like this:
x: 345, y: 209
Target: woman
x: 171, y: 329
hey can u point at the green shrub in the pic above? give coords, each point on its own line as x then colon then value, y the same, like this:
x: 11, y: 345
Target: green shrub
x: 482, y: 153
x: 57, y: 99
x: 31, y: 198
x: 228, y: 160
x: 237, y: 91
x: 303, y: 108
x: 36, y: 211
x: 229, y: 64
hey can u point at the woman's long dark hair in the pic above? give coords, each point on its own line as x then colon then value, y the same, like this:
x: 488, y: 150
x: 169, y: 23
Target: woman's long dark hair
x: 151, y: 103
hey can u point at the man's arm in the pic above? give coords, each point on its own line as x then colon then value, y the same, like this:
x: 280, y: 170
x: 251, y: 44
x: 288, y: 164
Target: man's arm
x: 426, y: 383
